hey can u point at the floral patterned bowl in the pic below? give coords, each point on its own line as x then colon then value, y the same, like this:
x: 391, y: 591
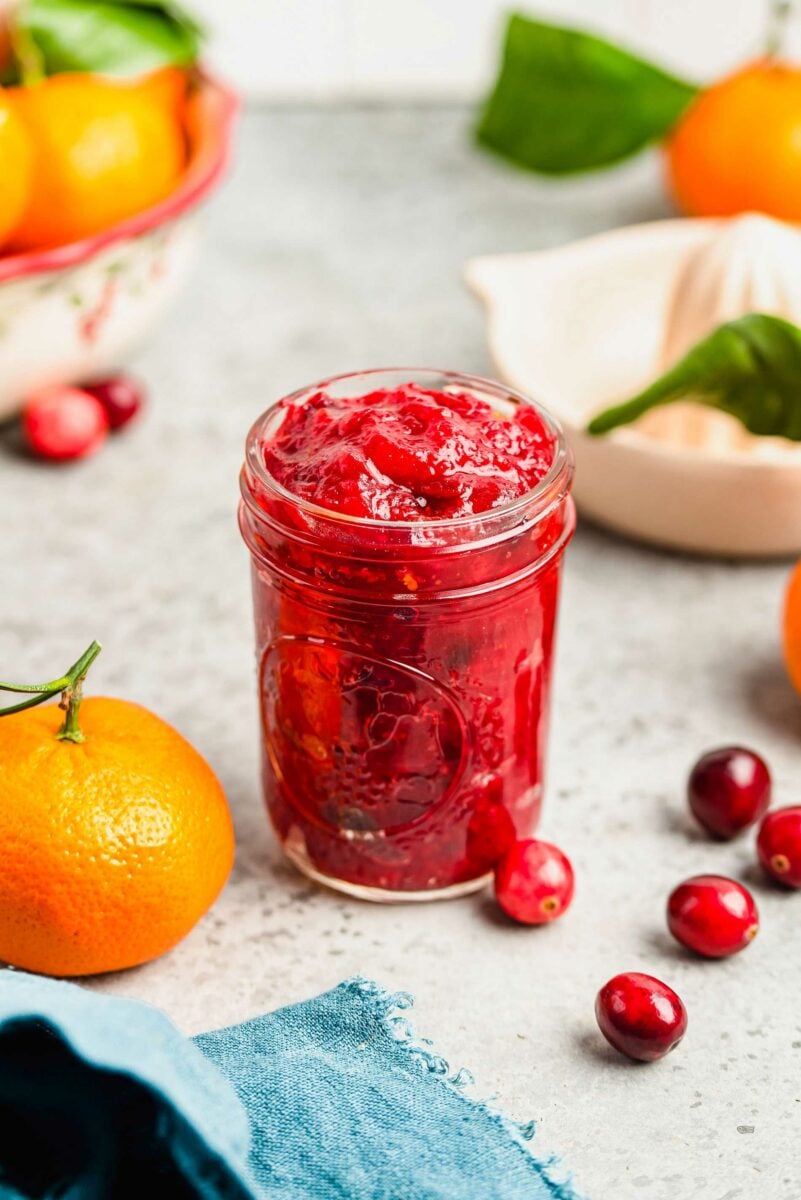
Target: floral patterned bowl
x: 72, y: 312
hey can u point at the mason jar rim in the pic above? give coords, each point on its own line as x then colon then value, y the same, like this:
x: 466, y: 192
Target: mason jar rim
x: 554, y: 483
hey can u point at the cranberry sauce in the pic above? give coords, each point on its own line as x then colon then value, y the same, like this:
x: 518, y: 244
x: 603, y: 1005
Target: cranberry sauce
x: 406, y: 570
x: 407, y: 453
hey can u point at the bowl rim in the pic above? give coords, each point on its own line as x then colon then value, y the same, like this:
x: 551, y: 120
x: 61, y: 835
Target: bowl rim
x: 190, y: 191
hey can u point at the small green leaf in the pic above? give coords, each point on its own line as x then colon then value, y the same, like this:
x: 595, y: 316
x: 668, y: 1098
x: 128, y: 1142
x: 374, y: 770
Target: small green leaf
x: 566, y: 101
x: 750, y: 368
x: 116, y: 37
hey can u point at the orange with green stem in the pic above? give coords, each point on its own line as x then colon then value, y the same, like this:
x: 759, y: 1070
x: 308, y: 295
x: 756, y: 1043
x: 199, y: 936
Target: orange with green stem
x: 566, y: 100
x: 738, y: 146
x: 115, y: 835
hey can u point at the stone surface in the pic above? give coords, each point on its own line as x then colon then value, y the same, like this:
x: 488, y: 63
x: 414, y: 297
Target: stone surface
x: 337, y: 245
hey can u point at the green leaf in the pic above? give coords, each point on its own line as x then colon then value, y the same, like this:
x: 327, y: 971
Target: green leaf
x: 116, y: 37
x: 566, y: 101
x: 750, y: 368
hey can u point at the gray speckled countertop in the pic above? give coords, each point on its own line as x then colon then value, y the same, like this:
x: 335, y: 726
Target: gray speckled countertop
x: 337, y: 245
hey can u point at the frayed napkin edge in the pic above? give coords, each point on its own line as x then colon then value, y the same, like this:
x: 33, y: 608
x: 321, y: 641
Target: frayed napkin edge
x: 388, y: 1008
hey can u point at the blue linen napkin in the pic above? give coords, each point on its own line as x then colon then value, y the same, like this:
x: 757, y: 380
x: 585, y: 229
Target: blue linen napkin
x: 333, y: 1099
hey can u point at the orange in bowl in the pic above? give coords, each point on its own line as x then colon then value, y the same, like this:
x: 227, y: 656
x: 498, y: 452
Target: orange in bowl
x: 16, y: 157
x: 103, y: 149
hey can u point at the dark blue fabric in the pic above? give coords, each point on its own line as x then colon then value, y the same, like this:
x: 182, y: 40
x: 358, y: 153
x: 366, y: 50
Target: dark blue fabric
x: 331, y: 1099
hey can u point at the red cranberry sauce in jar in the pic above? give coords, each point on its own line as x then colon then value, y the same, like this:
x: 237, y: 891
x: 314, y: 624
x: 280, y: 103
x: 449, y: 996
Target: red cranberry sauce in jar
x: 407, y: 530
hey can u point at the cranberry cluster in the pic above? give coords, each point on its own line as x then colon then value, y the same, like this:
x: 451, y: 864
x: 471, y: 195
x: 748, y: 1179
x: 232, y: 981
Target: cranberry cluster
x: 63, y: 423
x: 729, y: 790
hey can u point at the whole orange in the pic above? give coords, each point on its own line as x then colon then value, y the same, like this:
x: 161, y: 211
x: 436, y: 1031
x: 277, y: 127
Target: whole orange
x: 791, y: 627
x: 111, y: 849
x: 16, y: 167
x: 738, y: 146
x: 105, y: 149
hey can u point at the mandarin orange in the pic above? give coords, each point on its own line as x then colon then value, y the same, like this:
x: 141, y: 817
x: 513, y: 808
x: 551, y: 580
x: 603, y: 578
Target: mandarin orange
x: 112, y: 847
x: 105, y: 149
x: 738, y: 146
x: 16, y: 167
x: 791, y: 627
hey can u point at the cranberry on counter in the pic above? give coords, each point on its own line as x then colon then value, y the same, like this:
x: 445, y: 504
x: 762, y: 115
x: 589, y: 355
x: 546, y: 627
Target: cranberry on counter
x: 728, y: 790
x: 121, y: 396
x: 63, y: 423
x: 640, y: 1016
x: 779, y: 845
x: 712, y: 915
x: 534, y: 882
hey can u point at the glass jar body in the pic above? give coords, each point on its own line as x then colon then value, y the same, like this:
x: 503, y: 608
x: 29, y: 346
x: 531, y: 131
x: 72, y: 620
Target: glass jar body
x: 404, y: 684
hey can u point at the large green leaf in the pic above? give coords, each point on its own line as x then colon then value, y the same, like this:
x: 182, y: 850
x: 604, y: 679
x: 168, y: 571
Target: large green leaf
x: 118, y: 37
x: 566, y: 101
x: 750, y: 368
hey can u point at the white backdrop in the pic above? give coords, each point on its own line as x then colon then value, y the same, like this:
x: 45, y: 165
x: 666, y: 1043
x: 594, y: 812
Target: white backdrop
x: 308, y: 49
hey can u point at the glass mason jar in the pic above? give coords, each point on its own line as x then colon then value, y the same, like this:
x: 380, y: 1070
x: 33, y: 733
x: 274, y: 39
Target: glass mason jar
x: 404, y: 669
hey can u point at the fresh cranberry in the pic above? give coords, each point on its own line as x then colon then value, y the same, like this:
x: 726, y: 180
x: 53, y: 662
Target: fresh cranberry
x: 779, y: 845
x: 712, y: 915
x: 534, y: 882
x: 63, y: 423
x: 640, y: 1016
x: 729, y: 789
x: 121, y: 396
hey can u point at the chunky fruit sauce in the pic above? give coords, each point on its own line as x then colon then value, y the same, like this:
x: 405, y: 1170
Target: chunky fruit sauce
x: 407, y: 453
x: 404, y: 665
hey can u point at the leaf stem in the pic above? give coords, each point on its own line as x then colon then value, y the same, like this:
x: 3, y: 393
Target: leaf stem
x: 72, y: 695
x: 778, y: 19
x: 70, y: 684
x: 55, y: 685
x: 27, y: 55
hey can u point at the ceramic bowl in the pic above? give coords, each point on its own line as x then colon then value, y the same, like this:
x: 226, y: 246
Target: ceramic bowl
x: 586, y: 321
x: 73, y: 312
